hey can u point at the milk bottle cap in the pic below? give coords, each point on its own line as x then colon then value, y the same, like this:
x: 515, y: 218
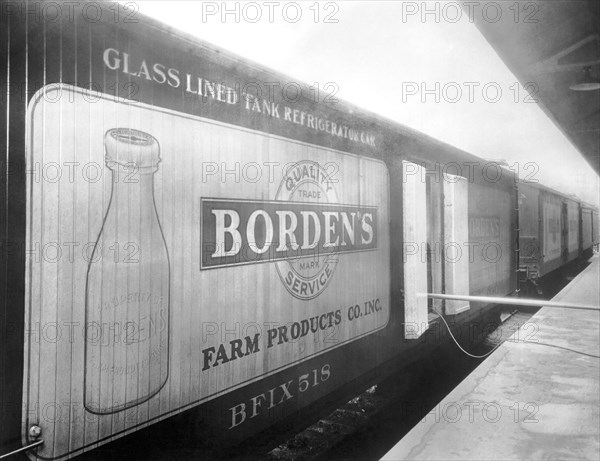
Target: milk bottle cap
x: 131, y: 148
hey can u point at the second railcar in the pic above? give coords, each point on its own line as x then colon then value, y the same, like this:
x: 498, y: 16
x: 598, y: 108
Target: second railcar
x: 589, y: 228
x: 549, y: 235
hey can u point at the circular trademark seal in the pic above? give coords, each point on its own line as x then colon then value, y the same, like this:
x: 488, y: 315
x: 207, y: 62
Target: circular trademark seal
x: 308, y: 275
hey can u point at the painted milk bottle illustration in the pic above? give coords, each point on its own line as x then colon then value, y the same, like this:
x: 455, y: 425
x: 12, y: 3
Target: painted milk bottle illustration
x: 127, y: 303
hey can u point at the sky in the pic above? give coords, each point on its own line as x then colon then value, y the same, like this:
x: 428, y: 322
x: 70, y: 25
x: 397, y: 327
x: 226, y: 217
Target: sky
x: 433, y: 72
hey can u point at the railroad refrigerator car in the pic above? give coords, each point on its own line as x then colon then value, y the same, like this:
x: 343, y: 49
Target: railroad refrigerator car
x: 554, y: 230
x: 186, y: 231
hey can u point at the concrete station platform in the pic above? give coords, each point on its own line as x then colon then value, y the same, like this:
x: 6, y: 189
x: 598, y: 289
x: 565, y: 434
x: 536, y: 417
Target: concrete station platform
x: 526, y: 401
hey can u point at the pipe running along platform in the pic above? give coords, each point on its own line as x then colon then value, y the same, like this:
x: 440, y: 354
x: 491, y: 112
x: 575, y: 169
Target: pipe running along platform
x: 536, y: 397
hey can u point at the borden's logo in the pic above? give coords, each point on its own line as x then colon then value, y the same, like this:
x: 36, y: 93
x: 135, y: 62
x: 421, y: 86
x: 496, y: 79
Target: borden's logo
x: 304, y: 230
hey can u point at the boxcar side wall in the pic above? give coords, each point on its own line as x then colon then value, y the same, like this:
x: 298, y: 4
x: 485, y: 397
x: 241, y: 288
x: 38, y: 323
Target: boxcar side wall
x: 203, y: 322
x: 560, y: 229
x: 530, y: 236
x: 492, y: 236
x: 552, y: 226
x: 573, y: 230
x: 586, y: 228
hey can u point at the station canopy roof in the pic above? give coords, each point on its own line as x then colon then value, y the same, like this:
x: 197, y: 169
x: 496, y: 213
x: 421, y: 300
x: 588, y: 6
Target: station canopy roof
x: 554, y: 44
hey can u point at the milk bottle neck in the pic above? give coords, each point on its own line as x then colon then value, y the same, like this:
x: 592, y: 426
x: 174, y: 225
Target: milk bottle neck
x: 133, y: 186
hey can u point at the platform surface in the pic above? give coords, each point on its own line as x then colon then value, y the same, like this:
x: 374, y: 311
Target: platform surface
x: 525, y: 401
